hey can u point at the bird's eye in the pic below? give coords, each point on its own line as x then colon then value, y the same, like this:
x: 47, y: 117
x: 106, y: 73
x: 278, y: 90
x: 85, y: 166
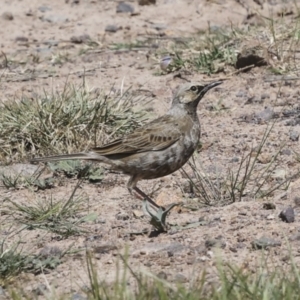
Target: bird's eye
x: 193, y: 88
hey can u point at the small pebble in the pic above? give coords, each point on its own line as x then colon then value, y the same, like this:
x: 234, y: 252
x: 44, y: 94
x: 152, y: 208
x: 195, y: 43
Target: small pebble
x: 124, y: 7
x: 112, y: 28
x: 294, y: 136
x: 265, y: 242
x: 7, y: 16
x: 287, y: 215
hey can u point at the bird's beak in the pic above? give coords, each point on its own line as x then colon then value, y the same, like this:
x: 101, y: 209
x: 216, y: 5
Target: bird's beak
x: 211, y: 85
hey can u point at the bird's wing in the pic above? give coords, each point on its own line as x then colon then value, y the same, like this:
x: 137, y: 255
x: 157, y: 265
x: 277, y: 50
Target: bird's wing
x: 156, y: 135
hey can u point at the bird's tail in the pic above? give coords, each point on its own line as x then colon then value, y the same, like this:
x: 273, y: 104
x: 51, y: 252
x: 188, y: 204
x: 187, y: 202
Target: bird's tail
x: 65, y: 157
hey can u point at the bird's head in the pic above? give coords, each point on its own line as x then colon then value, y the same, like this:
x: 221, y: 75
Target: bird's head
x: 191, y: 93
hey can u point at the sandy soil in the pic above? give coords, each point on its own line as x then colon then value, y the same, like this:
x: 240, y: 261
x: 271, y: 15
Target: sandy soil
x: 39, y: 34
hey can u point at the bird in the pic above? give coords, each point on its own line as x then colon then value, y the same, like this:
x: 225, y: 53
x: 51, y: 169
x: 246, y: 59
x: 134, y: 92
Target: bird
x: 155, y: 149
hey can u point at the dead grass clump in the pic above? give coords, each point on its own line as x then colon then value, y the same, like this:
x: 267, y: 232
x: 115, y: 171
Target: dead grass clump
x: 71, y: 121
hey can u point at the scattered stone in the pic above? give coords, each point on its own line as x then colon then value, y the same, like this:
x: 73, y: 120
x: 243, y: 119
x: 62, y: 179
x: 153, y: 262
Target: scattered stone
x: 162, y: 275
x: 297, y: 200
x: 7, y: 16
x: 165, y: 62
x: 264, y: 158
x: 104, y: 248
x: 2, y: 292
x: 78, y: 296
x: 124, y: 7
x: 138, y: 213
x: 286, y: 152
x: 54, y: 19
x: 146, y: 2
x: 253, y: 99
x: 215, y: 243
x: 44, y: 8
x: 50, y: 251
x: 171, y: 249
x: 26, y: 170
x: 80, y: 39
x: 270, y: 217
x: 279, y: 174
x: 265, y: 115
x: 254, y: 19
x: 122, y: 216
x: 287, y: 215
x: 294, y: 135
x: 255, y: 55
x: 22, y: 39
x: 40, y: 290
x: 235, y: 159
x: 51, y: 43
x: 295, y: 237
x: 265, y: 242
x: 180, y: 278
x: 159, y: 26
x: 241, y: 94
x: 269, y: 205
x: 112, y: 28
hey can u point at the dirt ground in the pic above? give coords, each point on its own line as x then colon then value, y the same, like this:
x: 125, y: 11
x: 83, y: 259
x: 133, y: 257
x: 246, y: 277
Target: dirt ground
x: 41, y: 33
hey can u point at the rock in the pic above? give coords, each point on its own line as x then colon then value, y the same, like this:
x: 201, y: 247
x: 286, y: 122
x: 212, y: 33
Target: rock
x: 78, y: 296
x: 165, y: 62
x: 297, y: 200
x: 252, y: 55
x: 41, y: 290
x: 138, y: 213
x: 286, y: 152
x: 159, y: 26
x: 241, y: 94
x: 122, y: 216
x: 112, y: 28
x: 269, y: 205
x: 265, y: 242
x: 44, y: 8
x: 146, y: 2
x: 279, y: 174
x: 294, y: 135
x: 80, y: 39
x: 124, y: 7
x: 54, y: 19
x: 26, y: 170
x: 171, y: 249
x: 162, y: 275
x: 50, y: 251
x: 2, y: 292
x: 23, y: 39
x: 295, y: 237
x: 287, y: 215
x: 104, y: 248
x: 265, y: 115
x: 180, y: 278
x: 264, y: 158
x: 7, y: 16
x: 254, y: 19
x: 215, y: 243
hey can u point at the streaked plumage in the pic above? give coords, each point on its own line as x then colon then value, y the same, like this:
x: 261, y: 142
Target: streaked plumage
x: 156, y: 149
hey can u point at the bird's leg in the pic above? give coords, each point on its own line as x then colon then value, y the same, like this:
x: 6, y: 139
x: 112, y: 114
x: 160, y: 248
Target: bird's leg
x: 158, y: 214
x: 141, y: 195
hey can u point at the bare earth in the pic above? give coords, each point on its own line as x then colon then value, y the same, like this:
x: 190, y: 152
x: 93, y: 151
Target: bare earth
x: 39, y: 34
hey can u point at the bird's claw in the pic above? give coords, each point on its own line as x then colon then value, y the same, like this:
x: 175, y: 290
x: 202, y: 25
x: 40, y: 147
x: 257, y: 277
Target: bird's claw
x: 158, y: 215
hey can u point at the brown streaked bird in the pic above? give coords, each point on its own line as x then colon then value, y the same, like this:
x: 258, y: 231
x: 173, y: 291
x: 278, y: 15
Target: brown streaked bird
x: 154, y: 150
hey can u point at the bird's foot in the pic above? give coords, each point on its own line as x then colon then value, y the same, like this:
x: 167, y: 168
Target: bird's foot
x: 158, y: 214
